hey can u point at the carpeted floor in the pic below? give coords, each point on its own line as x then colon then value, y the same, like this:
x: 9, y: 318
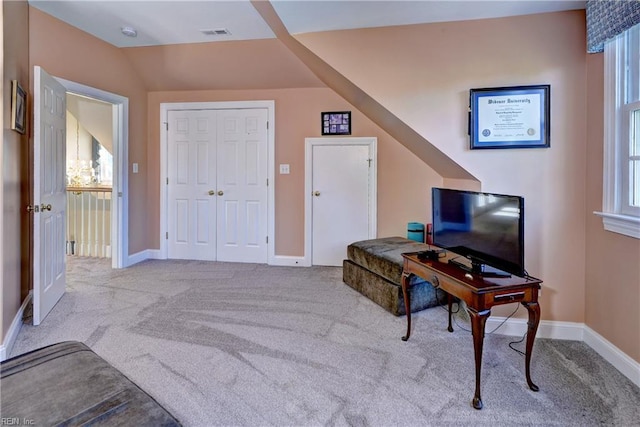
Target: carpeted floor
x: 222, y: 344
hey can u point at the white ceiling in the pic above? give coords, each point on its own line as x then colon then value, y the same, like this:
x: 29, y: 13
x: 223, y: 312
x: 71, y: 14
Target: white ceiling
x: 181, y: 21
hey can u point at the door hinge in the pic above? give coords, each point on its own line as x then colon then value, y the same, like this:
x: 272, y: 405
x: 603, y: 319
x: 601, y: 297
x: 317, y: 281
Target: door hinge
x: 267, y: 182
x: 166, y: 125
x: 267, y: 125
x: 166, y: 236
x: 167, y: 180
x: 267, y: 240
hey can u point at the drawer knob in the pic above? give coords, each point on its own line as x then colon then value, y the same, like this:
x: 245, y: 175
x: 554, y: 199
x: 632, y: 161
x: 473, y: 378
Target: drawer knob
x: 435, y: 282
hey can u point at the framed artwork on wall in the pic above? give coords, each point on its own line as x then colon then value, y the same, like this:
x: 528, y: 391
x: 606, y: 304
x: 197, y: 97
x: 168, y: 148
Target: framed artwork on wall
x: 18, y: 107
x: 336, y: 123
x: 509, y: 117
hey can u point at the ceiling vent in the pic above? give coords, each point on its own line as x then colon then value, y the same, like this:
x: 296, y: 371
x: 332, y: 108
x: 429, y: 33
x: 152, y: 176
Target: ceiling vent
x: 216, y: 32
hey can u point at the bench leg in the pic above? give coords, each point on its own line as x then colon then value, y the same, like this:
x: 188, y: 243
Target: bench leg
x: 407, y: 303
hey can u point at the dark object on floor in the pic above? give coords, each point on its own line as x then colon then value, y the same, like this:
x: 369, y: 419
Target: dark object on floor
x: 68, y: 384
x: 374, y: 268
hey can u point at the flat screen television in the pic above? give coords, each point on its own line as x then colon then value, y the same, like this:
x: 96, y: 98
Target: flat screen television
x: 486, y: 228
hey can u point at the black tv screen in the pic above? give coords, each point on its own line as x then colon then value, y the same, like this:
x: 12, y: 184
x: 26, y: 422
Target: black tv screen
x: 486, y: 228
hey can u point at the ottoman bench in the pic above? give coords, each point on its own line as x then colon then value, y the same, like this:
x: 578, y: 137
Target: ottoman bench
x: 374, y: 268
x: 67, y: 384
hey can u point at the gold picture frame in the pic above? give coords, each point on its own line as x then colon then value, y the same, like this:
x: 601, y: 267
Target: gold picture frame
x: 18, y: 107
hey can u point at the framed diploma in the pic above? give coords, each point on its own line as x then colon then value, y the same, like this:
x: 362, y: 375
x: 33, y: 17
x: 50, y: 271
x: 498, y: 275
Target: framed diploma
x: 509, y: 117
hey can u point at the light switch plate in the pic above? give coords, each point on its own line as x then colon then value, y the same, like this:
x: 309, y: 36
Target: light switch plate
x: 284, y: 169
x: 135, y: 168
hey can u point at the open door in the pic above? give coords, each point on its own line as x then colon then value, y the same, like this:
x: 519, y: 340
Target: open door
x: 49, y: 193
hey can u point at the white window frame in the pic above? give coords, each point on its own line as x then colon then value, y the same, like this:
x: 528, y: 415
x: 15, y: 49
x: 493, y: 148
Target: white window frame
x: 617, y: 214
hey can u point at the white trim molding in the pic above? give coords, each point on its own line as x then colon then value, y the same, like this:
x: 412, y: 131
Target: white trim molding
x: 623, y: 363
x: 574, y: 332
x: 622, y: 224
x: 14, y: 330
x: 288, y: 261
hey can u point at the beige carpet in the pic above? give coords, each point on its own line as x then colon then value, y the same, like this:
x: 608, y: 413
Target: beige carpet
x: 221, y: 344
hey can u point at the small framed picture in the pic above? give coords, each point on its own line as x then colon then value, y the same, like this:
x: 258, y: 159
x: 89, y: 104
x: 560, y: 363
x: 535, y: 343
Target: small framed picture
x: 18, y: 107
x: 336, y: 123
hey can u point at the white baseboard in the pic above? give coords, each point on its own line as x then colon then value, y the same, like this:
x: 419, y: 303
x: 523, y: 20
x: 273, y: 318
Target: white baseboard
x: 612, y: 354
x: 289, y: 261
x: 279, y: 260
x: 143, y: 256
x: 574, y: 332
x: 546, y: 329
x: 14, y: 329
x: 155, y: 254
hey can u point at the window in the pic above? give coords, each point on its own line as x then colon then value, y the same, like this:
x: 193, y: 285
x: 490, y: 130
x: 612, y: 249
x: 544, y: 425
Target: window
x: 621, y: 204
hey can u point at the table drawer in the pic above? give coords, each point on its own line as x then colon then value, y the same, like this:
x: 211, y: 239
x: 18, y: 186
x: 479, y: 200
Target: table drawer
x: 513, y: 296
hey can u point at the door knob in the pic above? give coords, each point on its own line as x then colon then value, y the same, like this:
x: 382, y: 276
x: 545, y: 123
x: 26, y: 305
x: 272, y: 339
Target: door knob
x: 220, y: 193
x: 35, y: 208
x: 44, y: 207
x: 316, y: 193
x: 212, y: 193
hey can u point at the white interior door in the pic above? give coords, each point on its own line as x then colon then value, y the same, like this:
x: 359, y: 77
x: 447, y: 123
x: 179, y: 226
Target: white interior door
x: 242, y: 185
x: 217, y: 200
x: 342, y: 196
x: 49, y: 194
x: 191, y: 186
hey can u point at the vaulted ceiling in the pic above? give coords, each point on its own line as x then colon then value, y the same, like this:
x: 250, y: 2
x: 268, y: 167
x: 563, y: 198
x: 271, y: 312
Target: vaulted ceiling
x: 167, y: 22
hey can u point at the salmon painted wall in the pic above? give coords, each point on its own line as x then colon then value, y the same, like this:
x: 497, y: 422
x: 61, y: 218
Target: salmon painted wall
x: 66, y: 52
x: 14, y: 157
x: 403, y: 179
x: 423, y: 73
x: 612, y: 260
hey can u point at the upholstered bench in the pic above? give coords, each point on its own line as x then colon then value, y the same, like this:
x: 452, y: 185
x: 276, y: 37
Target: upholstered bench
x: 67, y: 384
x: 374, y: 268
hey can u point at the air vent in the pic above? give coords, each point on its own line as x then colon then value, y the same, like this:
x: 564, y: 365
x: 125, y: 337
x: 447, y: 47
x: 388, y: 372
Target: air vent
x: 216, y: 32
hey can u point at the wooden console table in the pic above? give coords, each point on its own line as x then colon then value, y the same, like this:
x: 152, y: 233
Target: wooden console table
x: 480, y: 294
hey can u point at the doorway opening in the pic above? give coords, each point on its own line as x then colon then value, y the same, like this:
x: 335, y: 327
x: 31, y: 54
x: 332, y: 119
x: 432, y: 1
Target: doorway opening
x: 96, y: 173
x: 89, y: 169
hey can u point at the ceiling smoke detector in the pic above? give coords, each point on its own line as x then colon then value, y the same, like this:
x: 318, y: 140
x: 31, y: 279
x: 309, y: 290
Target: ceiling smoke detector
x: 129, y: 31
x: 216, y: 32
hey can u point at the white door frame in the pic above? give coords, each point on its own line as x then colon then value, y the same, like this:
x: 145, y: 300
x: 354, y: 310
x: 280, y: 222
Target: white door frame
x: 165, y: 107
x: 120, y: 194
x: 371, y: 142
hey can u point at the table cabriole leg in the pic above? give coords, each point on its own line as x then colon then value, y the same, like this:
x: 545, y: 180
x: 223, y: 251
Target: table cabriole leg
x: 407, y: 303
x: 532, y: 327
x: 478, y: 321
x: 450, y: 304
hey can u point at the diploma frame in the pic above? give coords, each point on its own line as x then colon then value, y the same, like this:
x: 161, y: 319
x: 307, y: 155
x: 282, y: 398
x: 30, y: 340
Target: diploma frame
x: 509, y: 117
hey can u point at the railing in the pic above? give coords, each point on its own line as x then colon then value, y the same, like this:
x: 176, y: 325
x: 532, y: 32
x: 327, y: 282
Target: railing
x: 89, y: 221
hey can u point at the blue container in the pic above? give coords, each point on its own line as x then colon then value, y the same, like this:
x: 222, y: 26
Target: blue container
x: 415, y: 231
